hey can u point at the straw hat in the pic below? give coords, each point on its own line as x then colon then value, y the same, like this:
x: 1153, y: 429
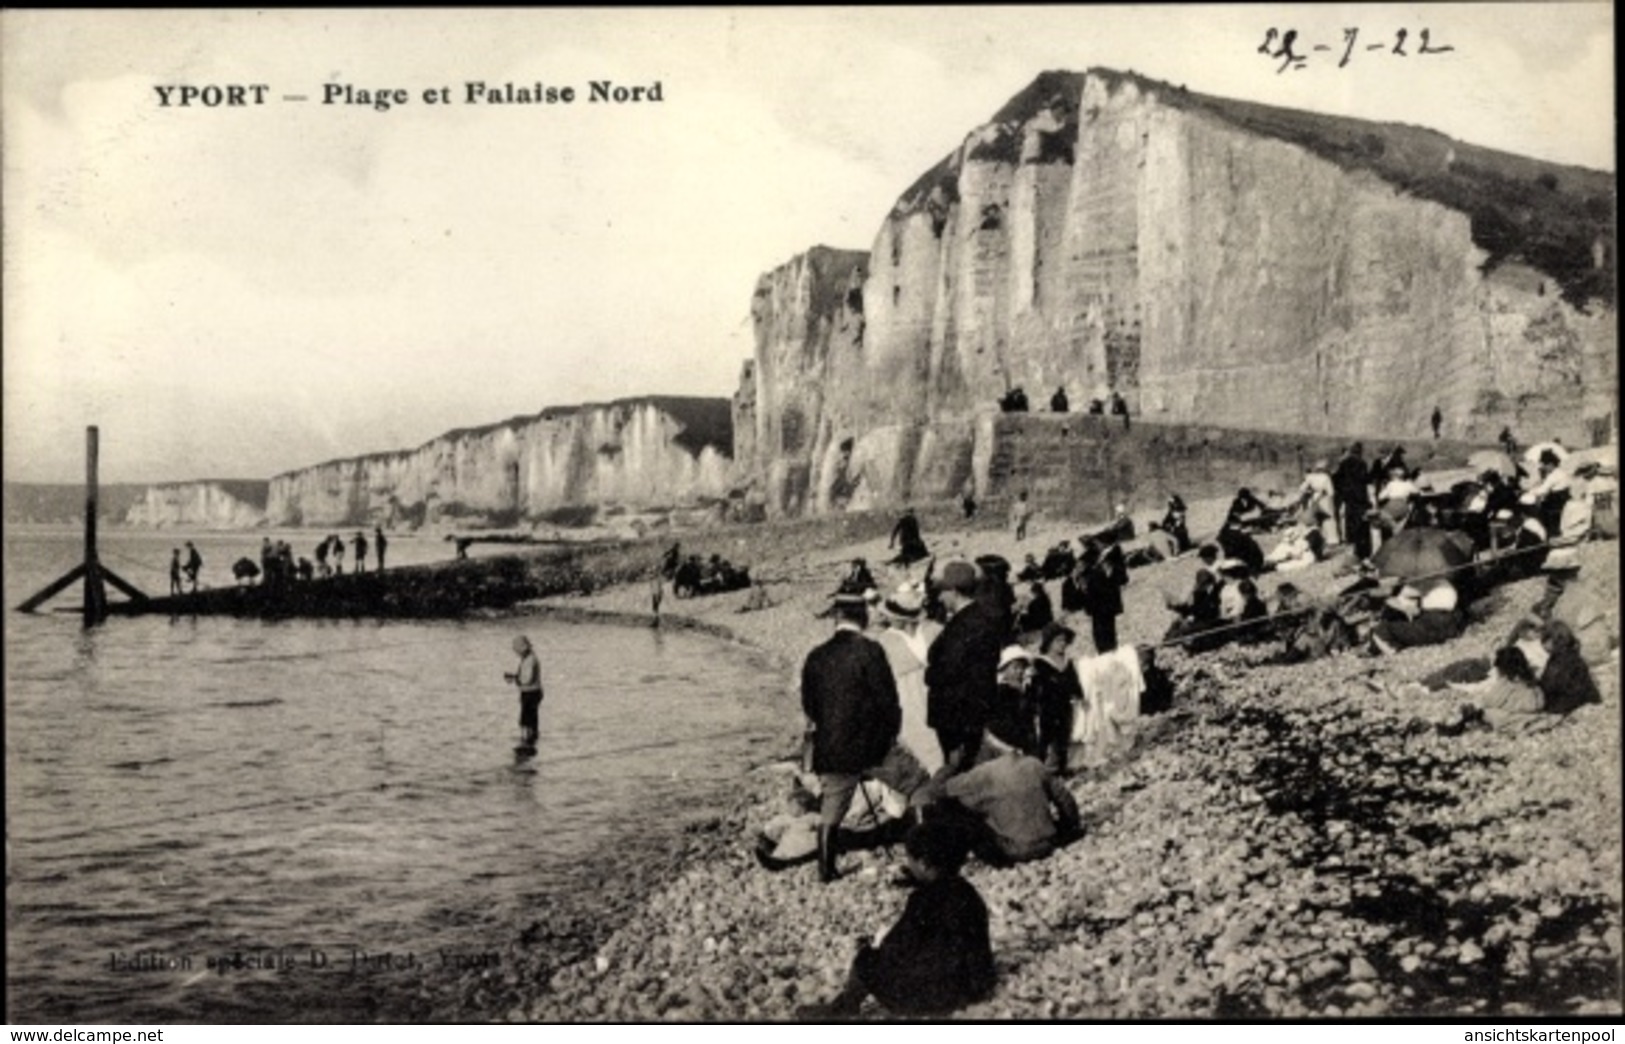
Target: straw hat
x: 907, y: 601
x: 1014, y: 654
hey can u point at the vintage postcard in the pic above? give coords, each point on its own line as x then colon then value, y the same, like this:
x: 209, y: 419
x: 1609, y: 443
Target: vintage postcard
x: 579, y: 515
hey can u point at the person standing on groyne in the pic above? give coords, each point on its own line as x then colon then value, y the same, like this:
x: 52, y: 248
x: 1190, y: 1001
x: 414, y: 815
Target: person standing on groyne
x: 194, y: 565
x: 175, y: 571
x: 528, y: 677
x: 380, y: 545
x: 360, y: 552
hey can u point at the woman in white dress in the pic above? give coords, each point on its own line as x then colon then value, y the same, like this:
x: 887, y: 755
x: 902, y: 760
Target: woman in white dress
x: 906, y: 641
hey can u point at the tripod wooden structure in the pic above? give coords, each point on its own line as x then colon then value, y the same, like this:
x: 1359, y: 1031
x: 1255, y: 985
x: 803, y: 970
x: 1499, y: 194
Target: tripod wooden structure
x: 90, y: 570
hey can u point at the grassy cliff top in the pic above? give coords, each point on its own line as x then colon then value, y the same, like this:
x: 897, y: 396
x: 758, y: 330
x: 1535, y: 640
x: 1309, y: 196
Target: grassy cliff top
x: 1547, y: 215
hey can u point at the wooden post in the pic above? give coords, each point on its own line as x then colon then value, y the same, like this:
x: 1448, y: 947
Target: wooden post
x: 95, y: 593
x: 90, y: 569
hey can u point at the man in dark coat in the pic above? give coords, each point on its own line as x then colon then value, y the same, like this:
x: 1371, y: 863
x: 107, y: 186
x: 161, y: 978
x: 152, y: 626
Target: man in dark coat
x: 1352, y: 482
x: 905, y: 536
x: 1243, y: 548
x: 850, y: 696
x: 939, y: 954
x: 1104, y: 575
x: 961, y: 670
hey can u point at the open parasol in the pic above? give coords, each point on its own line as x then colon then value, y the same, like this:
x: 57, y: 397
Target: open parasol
x: 1417, y: 553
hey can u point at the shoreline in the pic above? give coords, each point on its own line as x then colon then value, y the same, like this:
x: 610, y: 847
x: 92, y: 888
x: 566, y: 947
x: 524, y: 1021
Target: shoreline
x: 706, y: 935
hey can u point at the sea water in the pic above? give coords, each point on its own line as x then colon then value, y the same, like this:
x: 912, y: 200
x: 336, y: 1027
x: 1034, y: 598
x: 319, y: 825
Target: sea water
x: 218, y: 819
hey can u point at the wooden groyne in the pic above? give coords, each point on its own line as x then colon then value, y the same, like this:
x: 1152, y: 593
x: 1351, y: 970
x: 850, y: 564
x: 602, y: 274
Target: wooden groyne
x: 444, y: 590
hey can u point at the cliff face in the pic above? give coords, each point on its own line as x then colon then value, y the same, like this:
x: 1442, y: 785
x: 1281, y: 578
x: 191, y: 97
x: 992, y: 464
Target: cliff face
x: 205, y: 504
x: 1216, y: 263
x: 631, y: 454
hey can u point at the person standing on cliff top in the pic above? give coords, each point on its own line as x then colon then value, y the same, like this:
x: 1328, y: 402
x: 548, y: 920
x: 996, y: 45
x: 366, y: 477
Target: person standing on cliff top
x: 528, y: 677
x: 1120, y: 407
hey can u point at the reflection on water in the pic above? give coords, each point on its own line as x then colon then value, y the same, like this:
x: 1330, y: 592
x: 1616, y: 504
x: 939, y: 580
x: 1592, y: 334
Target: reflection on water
x: 181, y: 790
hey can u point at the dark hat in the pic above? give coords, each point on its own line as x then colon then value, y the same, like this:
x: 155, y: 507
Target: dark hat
x: 940, y: 844
x: 996, y: 564
x: 958, y: 575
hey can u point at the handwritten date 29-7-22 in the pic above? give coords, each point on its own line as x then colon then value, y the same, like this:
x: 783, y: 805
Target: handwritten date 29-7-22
x: 1284, y: 45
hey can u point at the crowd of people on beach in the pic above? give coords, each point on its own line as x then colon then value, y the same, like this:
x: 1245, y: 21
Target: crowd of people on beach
x: 952, y: 709
x: 278, y: 568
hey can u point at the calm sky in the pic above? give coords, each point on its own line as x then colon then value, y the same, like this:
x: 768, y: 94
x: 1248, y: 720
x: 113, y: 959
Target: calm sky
x: 238, y: 291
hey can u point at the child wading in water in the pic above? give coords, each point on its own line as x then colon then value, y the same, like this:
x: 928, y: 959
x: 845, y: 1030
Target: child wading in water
x: 937, y: 957
x: 528, y: 676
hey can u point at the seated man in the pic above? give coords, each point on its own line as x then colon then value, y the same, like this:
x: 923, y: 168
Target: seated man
x: 1014, y: 808
x: 938, y: 956
x: 1120, y: 528
x: 1059, y: 562
x: 1241, y: 547
x: 1246, y: 509
x: 1174, y: 524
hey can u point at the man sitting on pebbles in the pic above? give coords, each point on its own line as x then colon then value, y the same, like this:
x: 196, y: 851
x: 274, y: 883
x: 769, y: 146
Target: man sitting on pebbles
x: 1011, y: 807
x: 938, y: 956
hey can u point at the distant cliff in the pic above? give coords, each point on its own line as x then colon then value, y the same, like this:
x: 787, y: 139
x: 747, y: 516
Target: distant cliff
x: 633, y: 454
x: 202, y: 504
x: 1216, y: 262
x: 49, y: 503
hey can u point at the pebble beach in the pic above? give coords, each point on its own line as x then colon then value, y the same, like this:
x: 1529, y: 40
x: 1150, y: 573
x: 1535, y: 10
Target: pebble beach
x: 1287, y: 841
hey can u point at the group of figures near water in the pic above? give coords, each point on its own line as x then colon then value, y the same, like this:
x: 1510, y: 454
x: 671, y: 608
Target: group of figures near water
x: 955, y: 726
x: 278, y: 568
